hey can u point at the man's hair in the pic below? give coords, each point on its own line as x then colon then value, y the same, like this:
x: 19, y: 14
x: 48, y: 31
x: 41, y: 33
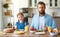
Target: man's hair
x: 40, y: 2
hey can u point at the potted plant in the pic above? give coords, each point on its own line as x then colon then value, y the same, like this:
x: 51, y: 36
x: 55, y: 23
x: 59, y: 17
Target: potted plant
x: 6, y: 5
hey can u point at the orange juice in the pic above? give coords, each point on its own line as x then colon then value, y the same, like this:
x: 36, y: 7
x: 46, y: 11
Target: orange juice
x: 49, y: 29
x: 26, y: 28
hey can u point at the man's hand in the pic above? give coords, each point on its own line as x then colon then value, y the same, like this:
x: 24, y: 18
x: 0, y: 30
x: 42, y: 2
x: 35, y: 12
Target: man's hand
x: 55, y: 30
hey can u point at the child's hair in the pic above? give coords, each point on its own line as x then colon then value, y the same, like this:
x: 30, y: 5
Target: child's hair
x: 20, y: 14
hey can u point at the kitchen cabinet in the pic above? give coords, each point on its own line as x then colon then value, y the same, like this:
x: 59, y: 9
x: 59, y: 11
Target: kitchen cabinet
x: 27, y: 3
x: 32, y: 3
x: 23, y: 3
x: 54, y: 3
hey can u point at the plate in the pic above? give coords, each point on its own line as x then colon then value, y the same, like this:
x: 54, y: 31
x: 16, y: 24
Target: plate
x: 32, y: 31
x: 19, y: 32
x: 39, y: 32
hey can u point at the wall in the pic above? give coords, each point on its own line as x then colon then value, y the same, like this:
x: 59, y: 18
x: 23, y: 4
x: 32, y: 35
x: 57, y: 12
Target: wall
x: 1, y: 26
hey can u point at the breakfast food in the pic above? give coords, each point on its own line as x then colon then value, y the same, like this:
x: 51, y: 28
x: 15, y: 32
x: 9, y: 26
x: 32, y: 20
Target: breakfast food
x: 39, y: 30
x: 32, y: 29
x: 26, y: 28
x: 55, y: 30
x: 49, y: 29
x: 19, y: 32
x: 8, y: 30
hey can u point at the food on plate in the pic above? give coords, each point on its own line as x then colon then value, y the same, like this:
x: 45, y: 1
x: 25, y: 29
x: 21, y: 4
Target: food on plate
x: 39, y: 31
x: 19, y: 32
x: 55, y: 30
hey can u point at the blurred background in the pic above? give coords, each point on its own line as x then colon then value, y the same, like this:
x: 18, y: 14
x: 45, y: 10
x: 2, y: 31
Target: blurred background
x: 10, y: 8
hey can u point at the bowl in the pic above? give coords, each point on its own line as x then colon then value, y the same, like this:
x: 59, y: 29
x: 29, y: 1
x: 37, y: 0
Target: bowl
x: 53, y: 33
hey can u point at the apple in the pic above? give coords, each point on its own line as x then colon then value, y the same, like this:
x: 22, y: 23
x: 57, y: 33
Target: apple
x: 32, y: 29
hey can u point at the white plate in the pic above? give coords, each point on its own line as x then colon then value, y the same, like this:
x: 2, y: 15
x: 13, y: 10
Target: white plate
x: 32, y: 31
x: 39, y: 32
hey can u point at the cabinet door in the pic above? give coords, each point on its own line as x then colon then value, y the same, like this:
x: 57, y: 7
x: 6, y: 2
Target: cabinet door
x: 23, y: 3
x: 58, y: 3
x: 32, y: 3
x: 54, y: 3
x: 51, y: 3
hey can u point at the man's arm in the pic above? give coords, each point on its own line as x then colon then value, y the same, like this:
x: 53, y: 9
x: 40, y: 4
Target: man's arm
x: 53, y: 25
x: 32, y: 24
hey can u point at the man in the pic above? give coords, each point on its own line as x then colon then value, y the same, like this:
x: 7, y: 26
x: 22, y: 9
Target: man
x: 42, y: 21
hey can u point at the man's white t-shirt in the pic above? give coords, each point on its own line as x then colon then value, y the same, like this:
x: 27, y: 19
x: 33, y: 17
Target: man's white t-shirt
x: 41, y: 23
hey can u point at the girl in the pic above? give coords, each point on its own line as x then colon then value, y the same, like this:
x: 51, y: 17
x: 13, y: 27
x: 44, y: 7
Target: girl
x: 20, y: 24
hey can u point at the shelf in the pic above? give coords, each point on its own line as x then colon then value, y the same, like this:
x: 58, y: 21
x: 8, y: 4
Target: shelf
x: 7, y: 16
x: 32, y: 7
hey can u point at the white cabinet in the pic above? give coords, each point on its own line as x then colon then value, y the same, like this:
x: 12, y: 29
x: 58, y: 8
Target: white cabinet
x: 23, y: 3
x: 32, y: 3
x: 54, y: 3
x: 27, y: 3
x: 49, y: 3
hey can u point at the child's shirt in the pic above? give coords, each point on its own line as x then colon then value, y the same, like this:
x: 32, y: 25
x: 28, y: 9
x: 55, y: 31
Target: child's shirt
x: 21, y: 26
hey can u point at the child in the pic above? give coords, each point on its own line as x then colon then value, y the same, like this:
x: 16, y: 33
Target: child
x: 20, y: 24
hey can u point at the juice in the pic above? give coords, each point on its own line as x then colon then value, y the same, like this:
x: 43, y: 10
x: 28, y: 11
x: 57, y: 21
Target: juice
x: 26, y: 28
x: 49, y: 29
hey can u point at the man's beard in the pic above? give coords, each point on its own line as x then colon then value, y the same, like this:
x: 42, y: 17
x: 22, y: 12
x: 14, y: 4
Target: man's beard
x: 43, y: 12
